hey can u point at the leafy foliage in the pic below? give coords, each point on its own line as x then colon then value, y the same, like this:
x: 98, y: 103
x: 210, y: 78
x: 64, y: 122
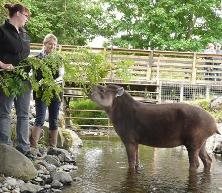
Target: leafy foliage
x: 82, y: 67
x: 47, y: 86
x: 164, y: 24
x: 73, y: 22
x: 205, y: 104
x: 87, y: 69
x: 83, y: 104
x: 12, y: 82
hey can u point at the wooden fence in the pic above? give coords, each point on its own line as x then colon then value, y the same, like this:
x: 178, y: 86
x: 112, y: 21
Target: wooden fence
x: 153, y: 66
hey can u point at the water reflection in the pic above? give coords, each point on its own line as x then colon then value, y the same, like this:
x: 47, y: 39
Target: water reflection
x: 199, y: 182
x: 103, y: 169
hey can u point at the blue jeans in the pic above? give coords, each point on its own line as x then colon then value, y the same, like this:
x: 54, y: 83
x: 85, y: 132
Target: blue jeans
x: 53, y: 109
x: 21, y: 103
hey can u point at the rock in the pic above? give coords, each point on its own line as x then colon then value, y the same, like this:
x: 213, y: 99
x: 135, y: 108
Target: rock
x: 62, y: 154
x: 52, y: 160
x: 218, y: 148
x: 77, y: 179
x: 68, y: 167
x: 10, y: 182
x: 16, y: 190
x: 47, y: 186
x: 62, y: 177
x: 47, y: 179
x: 56, y: 184
x: 56, y: 190
x: 38, y: 179
x: 215, y: 140
x: 72, y: 140
x: 14, y: 163
x: 49, y: 167
x: 4, y: 189
x: 29, y: 187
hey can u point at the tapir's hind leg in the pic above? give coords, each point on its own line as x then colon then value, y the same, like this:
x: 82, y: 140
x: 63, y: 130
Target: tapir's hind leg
x: 132, y: 154
x: 193, y: 154
x: 206, y: 159
x: 193, y: 158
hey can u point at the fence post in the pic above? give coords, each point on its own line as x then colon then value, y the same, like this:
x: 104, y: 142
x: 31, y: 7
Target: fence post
x: 159, y: 88
x: 149, y: 66
x: 158, y: 69
x: 111, y: 61
x: 66, y: 110
x: 194, y: 69
x: 181, y: 92
x: 109, y: 124
x: 60, y: 47
x: 207, y: 92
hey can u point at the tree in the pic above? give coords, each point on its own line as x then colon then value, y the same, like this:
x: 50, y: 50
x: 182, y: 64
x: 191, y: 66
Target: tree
x: 72, y: 21
x: 157, y: 24
x: 164, y: 24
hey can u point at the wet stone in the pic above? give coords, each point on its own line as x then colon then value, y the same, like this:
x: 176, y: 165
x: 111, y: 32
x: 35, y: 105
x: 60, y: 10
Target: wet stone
x: 56, y: 190
x: 56, y: 184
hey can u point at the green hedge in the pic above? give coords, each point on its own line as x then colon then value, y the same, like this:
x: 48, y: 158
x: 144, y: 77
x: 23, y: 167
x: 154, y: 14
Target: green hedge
x: 205, y: 104
x: 86, y: 104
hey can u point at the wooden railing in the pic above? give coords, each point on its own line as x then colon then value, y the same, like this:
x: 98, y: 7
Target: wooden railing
x: 153, y: 66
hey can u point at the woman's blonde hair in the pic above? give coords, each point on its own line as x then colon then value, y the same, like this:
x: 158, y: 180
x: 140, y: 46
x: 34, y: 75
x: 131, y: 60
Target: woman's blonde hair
x: 49, y: 37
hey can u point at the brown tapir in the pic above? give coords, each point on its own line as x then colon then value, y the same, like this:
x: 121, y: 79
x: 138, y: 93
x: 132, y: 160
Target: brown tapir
x: 156, y: 125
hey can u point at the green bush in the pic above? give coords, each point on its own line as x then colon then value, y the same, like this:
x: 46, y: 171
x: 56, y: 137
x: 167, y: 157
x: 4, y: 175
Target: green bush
x: 86, y: 104
x: 205, y: 104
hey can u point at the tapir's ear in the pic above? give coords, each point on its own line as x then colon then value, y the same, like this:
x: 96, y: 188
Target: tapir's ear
x: 119, y: 91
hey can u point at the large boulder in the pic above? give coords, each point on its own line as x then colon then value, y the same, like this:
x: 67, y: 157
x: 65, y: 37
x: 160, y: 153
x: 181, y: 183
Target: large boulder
x: 71, y: 139
x: 214, y: 142
x: 14, y: 163
x: 67, y: 138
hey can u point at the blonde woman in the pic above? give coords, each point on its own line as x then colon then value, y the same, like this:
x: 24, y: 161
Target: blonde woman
x: 49, y: 45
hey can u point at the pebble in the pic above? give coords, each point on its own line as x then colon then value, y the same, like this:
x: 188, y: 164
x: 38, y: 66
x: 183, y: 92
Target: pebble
x: 5, y: 189
x: 56, y: 184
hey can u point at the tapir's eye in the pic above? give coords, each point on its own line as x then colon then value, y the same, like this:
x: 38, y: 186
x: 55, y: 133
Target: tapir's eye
x: 101, y: 90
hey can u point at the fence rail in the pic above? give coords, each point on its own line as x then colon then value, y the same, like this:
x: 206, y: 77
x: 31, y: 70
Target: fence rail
x: 153, y: 66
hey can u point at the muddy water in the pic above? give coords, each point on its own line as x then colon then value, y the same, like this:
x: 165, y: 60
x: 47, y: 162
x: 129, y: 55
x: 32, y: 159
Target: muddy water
x: 103, y: 169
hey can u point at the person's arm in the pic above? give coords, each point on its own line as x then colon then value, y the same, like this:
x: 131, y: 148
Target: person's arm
x: 2, y: 64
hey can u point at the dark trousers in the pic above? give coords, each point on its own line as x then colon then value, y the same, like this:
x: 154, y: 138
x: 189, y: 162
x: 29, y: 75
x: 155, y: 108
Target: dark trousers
x: 53, y: 109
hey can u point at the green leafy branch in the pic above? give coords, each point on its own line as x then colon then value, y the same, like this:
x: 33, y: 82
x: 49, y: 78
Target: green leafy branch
x: 82, y: 67
x: 86, y: 68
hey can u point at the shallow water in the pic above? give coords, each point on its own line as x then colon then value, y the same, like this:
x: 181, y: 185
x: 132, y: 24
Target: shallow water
x: 103, y: 168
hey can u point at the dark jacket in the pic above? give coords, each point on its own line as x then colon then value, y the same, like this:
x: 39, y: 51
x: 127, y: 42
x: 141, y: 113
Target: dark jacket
x: 14, y: 46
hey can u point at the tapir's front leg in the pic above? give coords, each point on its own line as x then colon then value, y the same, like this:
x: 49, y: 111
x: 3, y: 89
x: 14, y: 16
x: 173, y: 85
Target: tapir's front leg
x: 137, y: 156
x: 132, y: 153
